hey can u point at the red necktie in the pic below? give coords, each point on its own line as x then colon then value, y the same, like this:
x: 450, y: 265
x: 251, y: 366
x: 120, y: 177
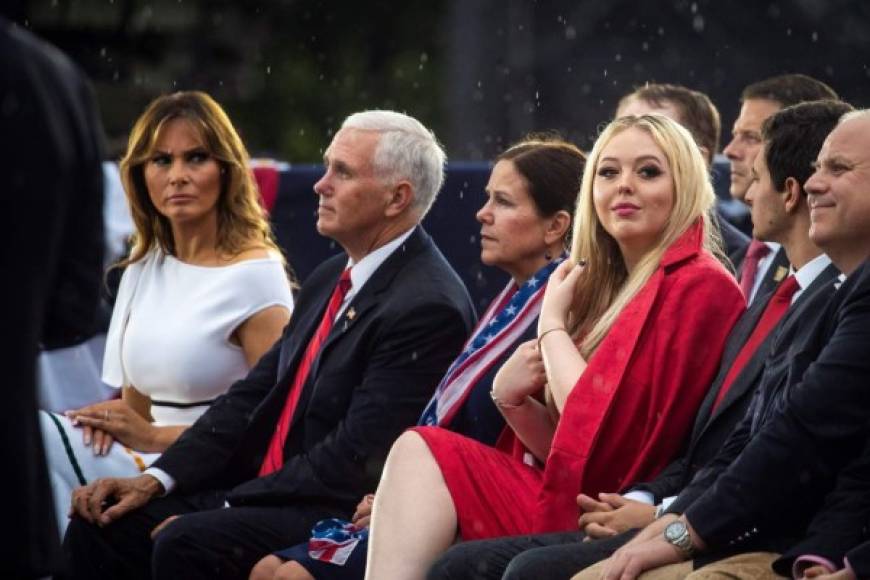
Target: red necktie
x: 274, y: 458
x: 756, y: 251
x: 772, y: 314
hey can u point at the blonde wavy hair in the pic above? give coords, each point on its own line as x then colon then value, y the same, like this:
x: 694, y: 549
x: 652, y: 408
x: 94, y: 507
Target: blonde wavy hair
x: 606, y: 287
x: 241, y: 223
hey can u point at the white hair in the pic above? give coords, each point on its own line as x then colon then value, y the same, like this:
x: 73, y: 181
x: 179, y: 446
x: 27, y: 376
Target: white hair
x: 406, y: 150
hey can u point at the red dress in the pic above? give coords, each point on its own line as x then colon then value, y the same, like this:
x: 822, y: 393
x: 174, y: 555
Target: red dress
x: 626, y: 417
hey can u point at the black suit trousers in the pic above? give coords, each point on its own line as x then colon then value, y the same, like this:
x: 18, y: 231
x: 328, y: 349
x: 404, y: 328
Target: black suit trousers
x: 558, y: 555
x: 208, y: 540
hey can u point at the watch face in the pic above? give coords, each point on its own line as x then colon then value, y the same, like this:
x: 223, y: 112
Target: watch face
x: 674, y: 531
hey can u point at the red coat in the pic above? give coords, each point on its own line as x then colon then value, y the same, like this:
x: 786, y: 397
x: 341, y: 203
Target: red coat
x: 631, y: 410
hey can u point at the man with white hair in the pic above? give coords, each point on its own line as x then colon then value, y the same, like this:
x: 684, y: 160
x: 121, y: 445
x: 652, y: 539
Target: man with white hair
x: 305, y: 434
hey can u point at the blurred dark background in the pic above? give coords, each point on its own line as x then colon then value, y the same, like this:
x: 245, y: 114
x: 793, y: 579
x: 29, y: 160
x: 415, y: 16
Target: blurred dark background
x: 481, y: 73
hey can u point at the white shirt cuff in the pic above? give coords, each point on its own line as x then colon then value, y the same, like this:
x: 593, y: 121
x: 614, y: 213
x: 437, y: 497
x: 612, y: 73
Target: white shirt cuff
x: 164, y: 478
x: 641, y: 496
x: 666, y: 502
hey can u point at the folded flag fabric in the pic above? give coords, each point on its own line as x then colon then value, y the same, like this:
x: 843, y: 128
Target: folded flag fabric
x: 333, y: 540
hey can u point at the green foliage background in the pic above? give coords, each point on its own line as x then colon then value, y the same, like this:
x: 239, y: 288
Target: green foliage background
x: 286, y: 71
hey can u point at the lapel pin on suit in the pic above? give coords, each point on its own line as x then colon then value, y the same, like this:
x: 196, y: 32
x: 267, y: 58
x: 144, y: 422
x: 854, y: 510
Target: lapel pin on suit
x: 351, y: 313
x: 781, y: 273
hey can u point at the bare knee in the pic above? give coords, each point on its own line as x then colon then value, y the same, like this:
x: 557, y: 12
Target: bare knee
x: 410, y: 446
x: 409, y: 458
x: 292, y: 571
x: 265, y: 569
x: 410, y: 442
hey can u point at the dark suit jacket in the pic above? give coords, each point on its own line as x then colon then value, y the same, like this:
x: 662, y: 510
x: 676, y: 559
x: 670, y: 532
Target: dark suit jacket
x: 375, y: 373
x: 809, y: 419
x: 51, y: 259
x: 842, y: 528
x: 734, y: 240
x: 711, y: 430
x: 859, y: 559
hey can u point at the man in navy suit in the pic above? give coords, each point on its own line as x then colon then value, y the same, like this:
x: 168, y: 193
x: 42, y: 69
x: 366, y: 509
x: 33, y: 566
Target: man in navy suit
x: 305, y: 434
x: 810, y: 418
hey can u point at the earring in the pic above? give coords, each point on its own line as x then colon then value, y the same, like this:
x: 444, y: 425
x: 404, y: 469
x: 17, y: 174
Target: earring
x: 548, y: 256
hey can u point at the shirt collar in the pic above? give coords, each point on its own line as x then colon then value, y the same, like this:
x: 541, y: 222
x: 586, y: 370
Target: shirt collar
x: 809, y: 271
x: 361, y: 271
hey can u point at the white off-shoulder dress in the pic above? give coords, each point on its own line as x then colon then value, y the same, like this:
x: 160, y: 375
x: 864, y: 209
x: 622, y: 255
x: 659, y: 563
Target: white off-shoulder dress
x: 170, y: 339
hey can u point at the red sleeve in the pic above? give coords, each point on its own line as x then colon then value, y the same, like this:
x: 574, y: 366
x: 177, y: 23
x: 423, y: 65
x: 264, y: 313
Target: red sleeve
x: 667, y: 379
x: 631, y: 411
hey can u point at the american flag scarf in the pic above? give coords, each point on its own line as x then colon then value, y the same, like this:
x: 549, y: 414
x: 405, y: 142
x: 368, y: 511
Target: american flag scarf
x: 506, y: 319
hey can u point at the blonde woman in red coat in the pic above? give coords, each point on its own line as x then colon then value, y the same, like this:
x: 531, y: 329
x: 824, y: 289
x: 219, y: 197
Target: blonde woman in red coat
x: 629, y: 337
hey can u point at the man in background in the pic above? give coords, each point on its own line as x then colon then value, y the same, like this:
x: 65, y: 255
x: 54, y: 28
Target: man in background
x: 764, y: 264
x: 51, y: 257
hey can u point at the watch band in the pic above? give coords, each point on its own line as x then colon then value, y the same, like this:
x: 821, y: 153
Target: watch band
x: 677, y: 534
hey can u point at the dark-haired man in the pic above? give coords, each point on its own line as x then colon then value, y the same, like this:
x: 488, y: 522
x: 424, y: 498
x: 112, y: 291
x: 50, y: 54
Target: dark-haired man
x: 764, y: 265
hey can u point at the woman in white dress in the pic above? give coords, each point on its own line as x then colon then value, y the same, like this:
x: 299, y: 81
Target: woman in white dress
x: 204, y: 295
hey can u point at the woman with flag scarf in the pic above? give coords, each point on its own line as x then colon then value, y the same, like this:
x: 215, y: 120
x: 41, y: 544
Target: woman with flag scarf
x: 525, y: 221
x: 630, y: 334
